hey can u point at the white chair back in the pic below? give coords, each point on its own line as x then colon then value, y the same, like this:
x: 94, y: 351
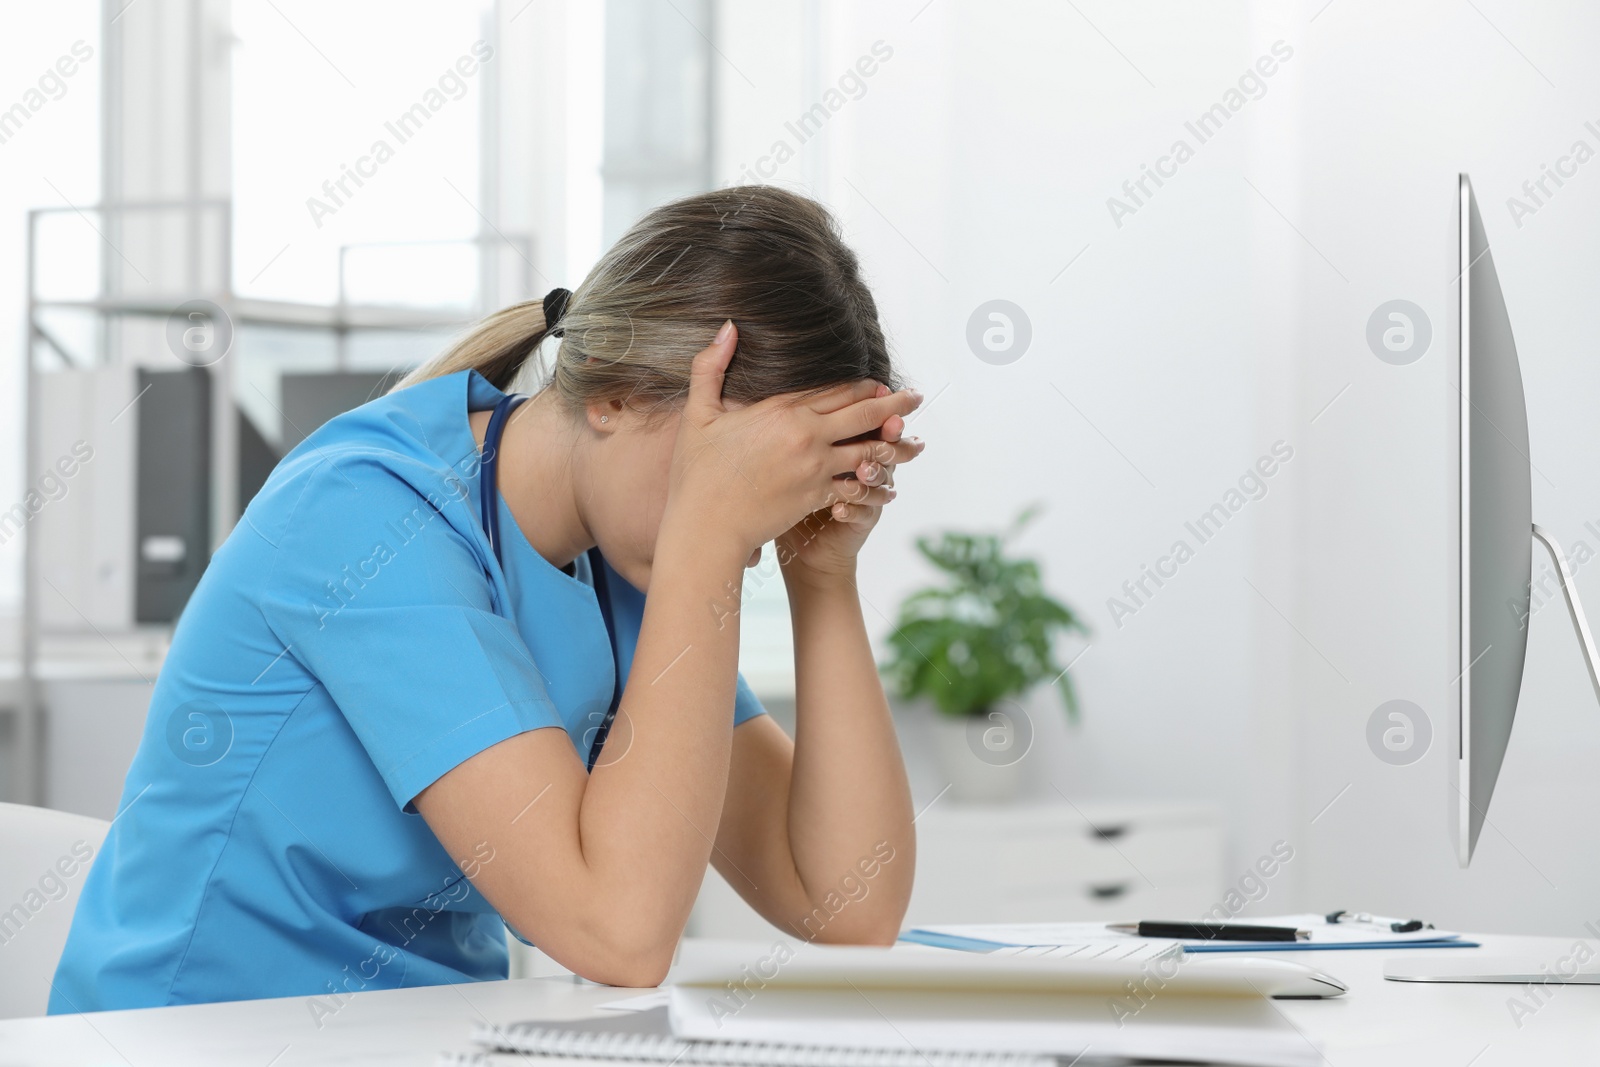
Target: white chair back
x: 44, y: 858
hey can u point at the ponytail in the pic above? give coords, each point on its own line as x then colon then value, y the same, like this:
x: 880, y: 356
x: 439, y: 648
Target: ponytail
x: 499, y: 346
x: 496, y: 347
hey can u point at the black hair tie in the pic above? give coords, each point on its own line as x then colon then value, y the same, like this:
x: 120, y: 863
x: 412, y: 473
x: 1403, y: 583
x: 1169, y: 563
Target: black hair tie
x: 555, y: 308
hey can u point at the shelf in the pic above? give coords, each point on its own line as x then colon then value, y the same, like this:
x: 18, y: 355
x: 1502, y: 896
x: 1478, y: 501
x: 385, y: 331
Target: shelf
x: 283, y: 313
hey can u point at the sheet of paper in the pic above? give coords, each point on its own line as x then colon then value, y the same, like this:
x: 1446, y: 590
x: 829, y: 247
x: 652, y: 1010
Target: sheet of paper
x: 1232, y: 1030
x: 656, y: 998
x: 723, y: 966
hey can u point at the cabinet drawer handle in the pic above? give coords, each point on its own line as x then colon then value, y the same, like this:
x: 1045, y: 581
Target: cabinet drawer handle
x: 1109, y: 833
x: 1108, y: 892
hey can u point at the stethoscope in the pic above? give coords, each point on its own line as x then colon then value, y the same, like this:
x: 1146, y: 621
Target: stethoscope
x: 489, y: 501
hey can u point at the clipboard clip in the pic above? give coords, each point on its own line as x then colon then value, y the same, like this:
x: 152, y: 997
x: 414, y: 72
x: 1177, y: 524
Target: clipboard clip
x: 1396, y: 926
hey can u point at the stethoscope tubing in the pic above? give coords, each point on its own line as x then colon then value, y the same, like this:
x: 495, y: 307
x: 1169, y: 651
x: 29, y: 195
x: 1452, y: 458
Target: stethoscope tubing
x: 489, y: 505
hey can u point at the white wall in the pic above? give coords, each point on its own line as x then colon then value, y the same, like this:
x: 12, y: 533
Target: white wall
x: 57, y: 145
x: 1222, y: 317
x: 1388, y: 120
x: 977, y: 166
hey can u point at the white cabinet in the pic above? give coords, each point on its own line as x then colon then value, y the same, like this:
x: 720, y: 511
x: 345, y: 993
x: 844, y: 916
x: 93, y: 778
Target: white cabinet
x: 1037, y: 862
x: 1058, y: 862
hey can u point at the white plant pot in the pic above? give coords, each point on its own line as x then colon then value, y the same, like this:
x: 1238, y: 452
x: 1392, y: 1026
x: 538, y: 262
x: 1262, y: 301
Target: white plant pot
x: 981, y: 756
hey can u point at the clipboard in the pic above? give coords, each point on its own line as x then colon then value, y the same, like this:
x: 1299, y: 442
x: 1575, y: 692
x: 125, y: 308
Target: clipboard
x: 1013, y: 938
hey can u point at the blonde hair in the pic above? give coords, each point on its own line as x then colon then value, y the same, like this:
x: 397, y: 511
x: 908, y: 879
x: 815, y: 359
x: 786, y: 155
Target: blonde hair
x: 768, y: 259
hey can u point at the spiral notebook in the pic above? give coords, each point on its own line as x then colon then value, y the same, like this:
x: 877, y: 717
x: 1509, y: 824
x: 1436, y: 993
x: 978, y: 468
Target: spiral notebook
x: 783, y: 1004
x: 646, y: 1037
x: 792, y: 1028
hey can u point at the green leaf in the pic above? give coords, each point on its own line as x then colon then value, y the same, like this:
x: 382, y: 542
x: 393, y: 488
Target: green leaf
x: 986, y: 633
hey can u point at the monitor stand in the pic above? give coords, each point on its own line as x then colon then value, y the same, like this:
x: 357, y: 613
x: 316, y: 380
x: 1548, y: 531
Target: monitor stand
x: 1574, y: 608
x: 1513, y: 970
x: 1503, y: 970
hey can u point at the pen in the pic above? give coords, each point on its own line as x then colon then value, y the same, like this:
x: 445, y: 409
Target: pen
x: 1190, y: 931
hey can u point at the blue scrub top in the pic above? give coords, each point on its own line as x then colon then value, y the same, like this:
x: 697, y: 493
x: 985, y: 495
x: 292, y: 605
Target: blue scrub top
x: 352, y: 641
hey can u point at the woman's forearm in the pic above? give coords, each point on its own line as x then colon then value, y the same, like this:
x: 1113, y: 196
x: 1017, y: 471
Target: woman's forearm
x: 653, y: 802
x: 600, y: 870
x: 849, y: 812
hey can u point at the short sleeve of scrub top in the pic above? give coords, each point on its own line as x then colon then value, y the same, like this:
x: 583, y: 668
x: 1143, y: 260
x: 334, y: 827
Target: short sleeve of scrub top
x: 389, y: 606
x: 352, y: 641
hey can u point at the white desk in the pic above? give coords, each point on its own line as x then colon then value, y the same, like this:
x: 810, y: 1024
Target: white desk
x: 1377, y: 1023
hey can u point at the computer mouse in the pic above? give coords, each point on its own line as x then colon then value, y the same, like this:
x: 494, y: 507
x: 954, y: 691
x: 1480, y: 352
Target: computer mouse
x: 1301, y: 982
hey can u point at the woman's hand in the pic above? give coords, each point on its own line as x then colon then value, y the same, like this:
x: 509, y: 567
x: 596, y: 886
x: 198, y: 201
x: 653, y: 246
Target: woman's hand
x: 753, y: 472
x: 826, y: 542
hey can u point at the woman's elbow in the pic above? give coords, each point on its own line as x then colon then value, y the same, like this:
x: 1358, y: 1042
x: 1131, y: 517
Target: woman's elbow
x: 880, y: 935
x: 881, y: 928
x: 634, y: 971
x: 619, y: 954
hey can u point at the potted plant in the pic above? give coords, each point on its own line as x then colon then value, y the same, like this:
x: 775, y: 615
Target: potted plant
x: 971, y: 644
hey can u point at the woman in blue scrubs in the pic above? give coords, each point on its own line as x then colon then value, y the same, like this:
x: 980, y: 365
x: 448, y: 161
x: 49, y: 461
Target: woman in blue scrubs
x: 469, y: 659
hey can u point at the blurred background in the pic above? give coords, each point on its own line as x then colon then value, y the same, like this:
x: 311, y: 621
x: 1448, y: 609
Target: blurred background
x: 1131, y: 252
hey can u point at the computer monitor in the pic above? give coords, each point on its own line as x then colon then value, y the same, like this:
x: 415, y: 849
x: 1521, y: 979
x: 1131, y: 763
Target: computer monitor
x: 1493, y: 575
x: 1494, y: 515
